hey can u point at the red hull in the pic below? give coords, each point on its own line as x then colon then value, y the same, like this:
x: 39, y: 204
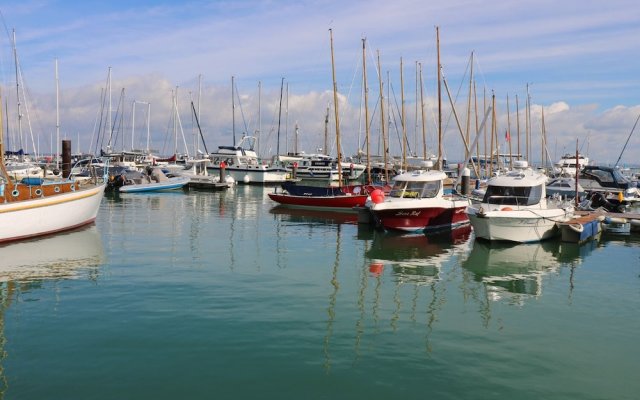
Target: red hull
x: 342, y: 203
x: 417, y: 219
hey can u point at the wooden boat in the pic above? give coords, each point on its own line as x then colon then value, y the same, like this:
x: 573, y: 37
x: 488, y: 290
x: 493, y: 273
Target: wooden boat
x: 38, y: 207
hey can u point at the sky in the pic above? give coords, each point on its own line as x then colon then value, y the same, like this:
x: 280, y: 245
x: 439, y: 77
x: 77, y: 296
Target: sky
x: 575, y: 62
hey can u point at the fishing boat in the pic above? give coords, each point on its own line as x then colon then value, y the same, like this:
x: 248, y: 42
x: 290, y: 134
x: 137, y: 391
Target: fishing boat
x: 320, y: 198
x: 418, y: 202
x: 243, y: 165
x: 515, y: 208
x: 153, y: 181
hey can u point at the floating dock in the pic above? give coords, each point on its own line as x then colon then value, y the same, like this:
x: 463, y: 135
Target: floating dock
x: 587, y: 225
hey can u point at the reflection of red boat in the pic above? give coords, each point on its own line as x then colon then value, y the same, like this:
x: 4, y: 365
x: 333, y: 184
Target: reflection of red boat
x: 310, y: 215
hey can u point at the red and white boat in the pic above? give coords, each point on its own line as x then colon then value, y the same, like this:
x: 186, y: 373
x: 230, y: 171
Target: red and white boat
x: 321, y: 198
x: 418, y: 202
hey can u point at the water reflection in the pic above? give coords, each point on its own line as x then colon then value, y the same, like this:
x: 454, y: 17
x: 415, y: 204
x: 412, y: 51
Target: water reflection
x: 311, y: 216
x: 415, y: 258
x: 514, y: 272
x: 53, y: 257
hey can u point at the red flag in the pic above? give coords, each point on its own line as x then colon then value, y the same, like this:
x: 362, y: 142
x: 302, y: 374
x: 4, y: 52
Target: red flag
x: 507, y: 137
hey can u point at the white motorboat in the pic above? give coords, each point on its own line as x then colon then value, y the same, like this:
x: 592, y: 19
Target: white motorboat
x: 569, y: 163
x: 243, y: 165
x: 515, y: 208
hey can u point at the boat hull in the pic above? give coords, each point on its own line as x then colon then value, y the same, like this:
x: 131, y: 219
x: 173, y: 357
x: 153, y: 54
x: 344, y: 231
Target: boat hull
x: 258, y: 174
x: 170, y: 184
x: 51, y: 214
x: 421, y: 218
x: 343, y: 203
x: 520, y: 226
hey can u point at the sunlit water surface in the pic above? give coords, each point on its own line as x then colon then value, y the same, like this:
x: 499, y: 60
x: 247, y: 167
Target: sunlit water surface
x: 223, y: 295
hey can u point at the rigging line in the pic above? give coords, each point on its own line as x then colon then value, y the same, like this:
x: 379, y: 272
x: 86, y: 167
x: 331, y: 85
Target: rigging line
x: 627, y: 142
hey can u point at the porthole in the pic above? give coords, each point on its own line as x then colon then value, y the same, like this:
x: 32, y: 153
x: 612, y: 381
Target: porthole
x: 56, y: 189
x: 15, y: 193
x: 73, y: 187
x: 38, y: 192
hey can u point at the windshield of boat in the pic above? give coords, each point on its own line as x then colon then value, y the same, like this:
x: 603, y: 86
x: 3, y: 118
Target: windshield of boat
x: 513, y: 195
x: 415, y: 189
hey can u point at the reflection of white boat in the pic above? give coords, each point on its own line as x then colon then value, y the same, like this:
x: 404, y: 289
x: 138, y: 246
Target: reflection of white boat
x: 514, y: 208
x: 51, y: 257
x: 512, y: 270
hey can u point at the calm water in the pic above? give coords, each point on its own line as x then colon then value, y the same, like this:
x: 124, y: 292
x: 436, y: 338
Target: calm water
x: 219, y: 295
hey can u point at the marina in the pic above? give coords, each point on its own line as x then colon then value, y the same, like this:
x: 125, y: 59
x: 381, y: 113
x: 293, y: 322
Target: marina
x: 423, y: 235
x: 226, y: 294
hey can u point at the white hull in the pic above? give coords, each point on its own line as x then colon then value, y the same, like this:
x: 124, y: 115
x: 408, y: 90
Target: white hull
x: 51, y: 214
x: 521, y: 226
x: 258, y: 174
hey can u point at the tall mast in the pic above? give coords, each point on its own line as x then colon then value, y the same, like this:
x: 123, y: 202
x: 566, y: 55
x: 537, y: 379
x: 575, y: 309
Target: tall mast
x: 57, y: 116
x: 382, y: 121
x: 518, y: 126
x: 110, y: 124
x: 468, y: 127
x: 366, y: 108
x: 195, y: 134
x: 404, y: 122
x: 15, y: 59
x: 509, y: 132
x: 259, y: 115
x: 440, y: 150
x: 279, y: 117
x: 335, y: 106
x: 233, y: 111
x: 326, y: 131
x: 527, y: 132
x: 424, y: 131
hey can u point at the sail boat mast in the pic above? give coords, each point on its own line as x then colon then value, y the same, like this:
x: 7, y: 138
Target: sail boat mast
x: 58, y: 116
x: 366, y: 108
x: 382, y: 121
x: 440, y: 149
x: 335, y: 106
x: 15, y: 60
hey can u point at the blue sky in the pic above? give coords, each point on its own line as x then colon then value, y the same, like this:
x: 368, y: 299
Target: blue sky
x: 578, y: 57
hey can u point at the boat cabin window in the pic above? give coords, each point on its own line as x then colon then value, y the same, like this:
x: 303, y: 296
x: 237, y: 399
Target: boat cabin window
x: 513, y: 195
x: 415, y: 190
